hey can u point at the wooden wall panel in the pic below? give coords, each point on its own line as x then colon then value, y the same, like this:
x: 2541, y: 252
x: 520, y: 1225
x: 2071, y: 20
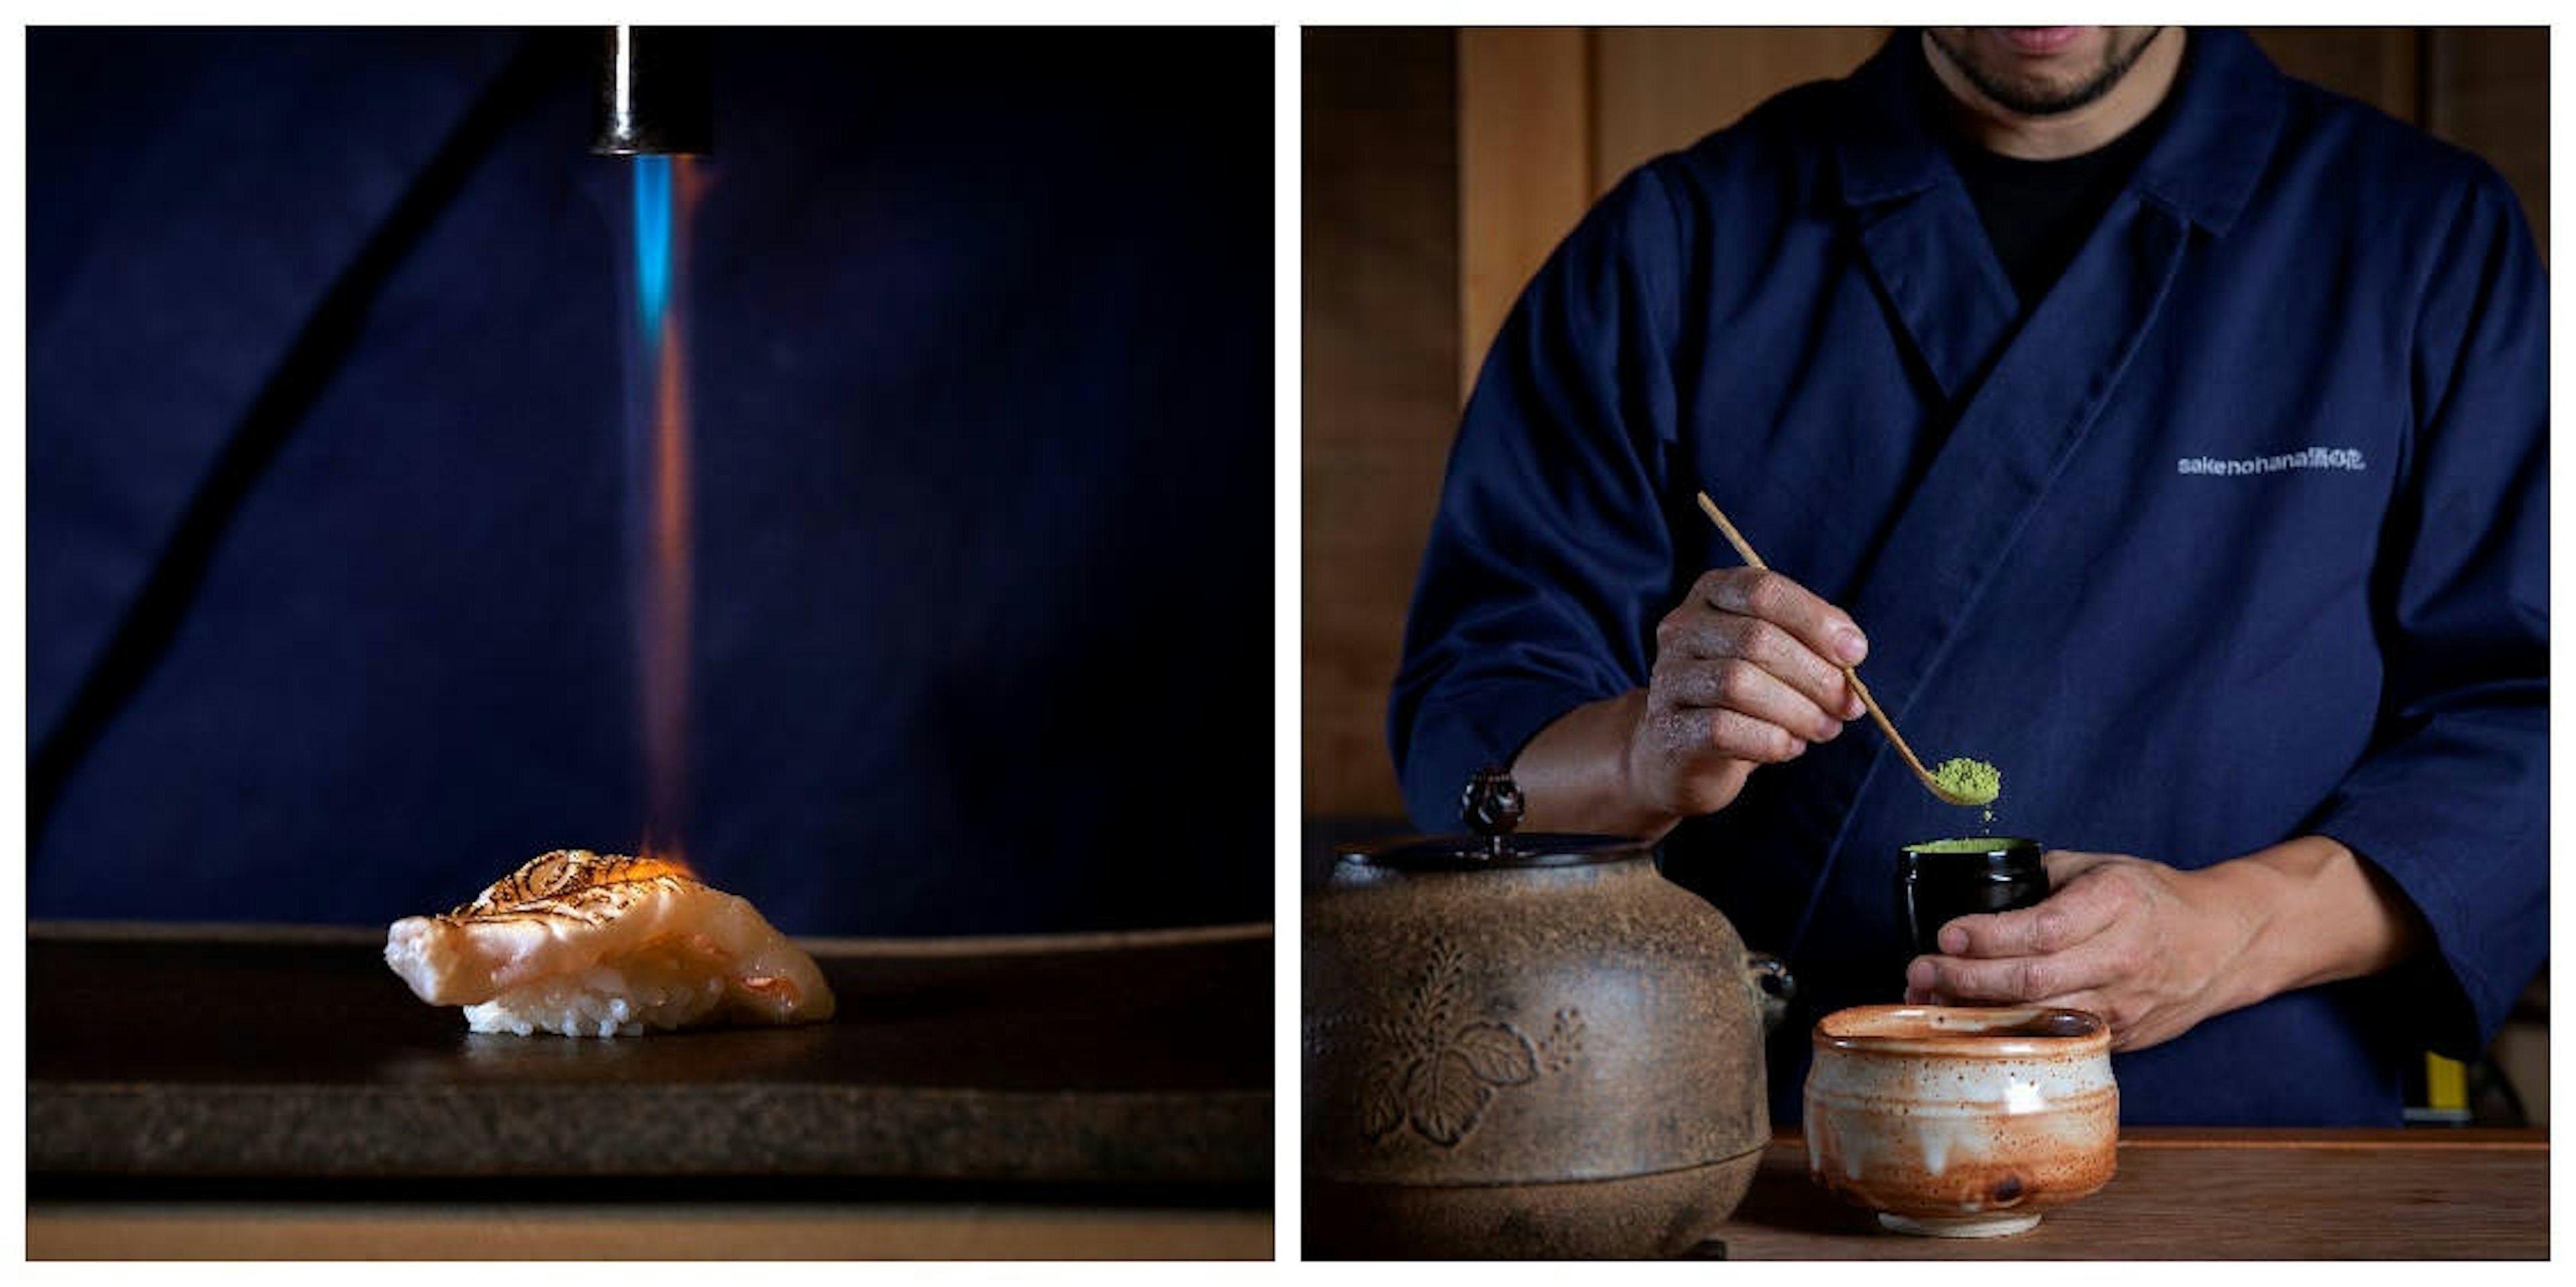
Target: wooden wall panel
x: 1657, y: 90
x: 2378, y: 65
x: 2488, y: 91
x: 1380, y: 329
x: 1524, y: 167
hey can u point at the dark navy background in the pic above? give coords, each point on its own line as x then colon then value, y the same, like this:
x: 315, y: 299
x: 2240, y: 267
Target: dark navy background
x: 327, y: 615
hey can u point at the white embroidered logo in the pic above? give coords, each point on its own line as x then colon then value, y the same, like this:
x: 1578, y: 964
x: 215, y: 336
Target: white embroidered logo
x: 2310, y: 458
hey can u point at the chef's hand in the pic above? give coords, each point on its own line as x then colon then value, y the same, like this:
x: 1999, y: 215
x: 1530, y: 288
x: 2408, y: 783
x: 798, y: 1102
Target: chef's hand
x: 2141, y: 944
x: 1746, y: 673
x: 2154, y: 950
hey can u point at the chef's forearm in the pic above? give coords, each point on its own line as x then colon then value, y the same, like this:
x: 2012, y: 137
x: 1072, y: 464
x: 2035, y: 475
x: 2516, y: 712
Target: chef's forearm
x: 1574, y: 776
x: 2317, y: 914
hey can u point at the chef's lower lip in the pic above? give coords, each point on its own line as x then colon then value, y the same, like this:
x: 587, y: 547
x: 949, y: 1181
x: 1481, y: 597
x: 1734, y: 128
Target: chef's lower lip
x: 2039, y: 40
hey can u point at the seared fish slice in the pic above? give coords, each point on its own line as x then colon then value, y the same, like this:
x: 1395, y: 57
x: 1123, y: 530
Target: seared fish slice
x: 604, y: 945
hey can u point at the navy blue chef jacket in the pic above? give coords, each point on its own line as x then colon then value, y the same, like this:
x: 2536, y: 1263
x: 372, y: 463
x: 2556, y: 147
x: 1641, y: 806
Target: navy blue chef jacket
x: 327, y: 585
x: 2339, y: 627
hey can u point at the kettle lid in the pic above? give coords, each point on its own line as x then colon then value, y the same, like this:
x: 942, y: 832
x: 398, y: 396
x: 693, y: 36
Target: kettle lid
x: 1491, y: 808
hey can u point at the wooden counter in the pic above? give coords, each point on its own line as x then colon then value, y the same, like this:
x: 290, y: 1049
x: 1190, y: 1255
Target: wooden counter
x: 212, y: 1052
x: 343, y: 1229
x: 226, y: 1092
x: 2216, y: 1195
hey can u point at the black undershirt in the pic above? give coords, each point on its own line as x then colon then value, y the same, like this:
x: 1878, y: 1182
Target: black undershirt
x: 2038, y: 213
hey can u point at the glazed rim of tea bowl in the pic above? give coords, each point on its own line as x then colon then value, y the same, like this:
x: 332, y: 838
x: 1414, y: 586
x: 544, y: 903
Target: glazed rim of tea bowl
x: 1963, y: 1032
x: 1960, y: 1121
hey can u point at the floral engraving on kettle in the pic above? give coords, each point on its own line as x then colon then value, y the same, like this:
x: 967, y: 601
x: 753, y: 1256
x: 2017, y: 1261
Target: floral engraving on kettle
x: 1443, y: 1073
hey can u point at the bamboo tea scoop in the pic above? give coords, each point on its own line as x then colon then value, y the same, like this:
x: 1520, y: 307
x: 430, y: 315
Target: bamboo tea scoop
x: 1885, y: 725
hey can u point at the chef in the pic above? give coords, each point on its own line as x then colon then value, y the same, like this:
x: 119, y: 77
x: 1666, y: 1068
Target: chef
x: 2167, y: 432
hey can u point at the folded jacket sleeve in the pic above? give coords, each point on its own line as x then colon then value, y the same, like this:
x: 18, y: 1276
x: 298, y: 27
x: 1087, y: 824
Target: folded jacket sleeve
x: 1550, y: 559
x: 2452, y: 801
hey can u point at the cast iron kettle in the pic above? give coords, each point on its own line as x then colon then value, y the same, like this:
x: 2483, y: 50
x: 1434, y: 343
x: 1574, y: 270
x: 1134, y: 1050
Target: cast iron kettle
x: 1525, y: 1046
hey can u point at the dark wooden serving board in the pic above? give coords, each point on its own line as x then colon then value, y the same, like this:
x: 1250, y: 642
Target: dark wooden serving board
x: 207, y: 1052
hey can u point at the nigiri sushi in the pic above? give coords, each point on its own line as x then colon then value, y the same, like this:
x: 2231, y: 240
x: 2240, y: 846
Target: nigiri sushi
x: 604, y: 945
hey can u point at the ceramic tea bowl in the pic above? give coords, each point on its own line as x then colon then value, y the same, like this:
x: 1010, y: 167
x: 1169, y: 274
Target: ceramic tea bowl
x: 1958, y: 1121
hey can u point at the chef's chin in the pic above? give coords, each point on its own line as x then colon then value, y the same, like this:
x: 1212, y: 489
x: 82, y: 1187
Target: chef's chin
x: 2042, y: 71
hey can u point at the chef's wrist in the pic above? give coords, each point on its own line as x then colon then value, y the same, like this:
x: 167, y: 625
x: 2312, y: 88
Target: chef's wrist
x: 2316, y: 913
x: 1644, y: 814
x: 1577, y: 774
x: 2243, y: 908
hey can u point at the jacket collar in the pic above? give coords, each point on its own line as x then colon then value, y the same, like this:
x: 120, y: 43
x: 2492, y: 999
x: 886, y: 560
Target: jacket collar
x: 2227, y: 109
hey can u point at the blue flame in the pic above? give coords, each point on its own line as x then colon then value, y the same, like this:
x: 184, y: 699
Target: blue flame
x: 652, y: 240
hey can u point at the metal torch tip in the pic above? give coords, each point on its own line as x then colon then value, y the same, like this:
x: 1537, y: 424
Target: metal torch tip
x: 655, y: 94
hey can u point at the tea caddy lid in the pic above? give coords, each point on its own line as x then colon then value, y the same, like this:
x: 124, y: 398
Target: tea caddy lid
x: 1491, y: 808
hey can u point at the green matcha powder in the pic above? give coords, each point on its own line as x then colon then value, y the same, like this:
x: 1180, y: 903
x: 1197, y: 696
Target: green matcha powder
x: 1974, y: 781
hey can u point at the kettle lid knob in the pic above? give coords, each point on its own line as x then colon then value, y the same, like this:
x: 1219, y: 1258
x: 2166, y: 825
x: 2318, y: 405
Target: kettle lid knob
x: 1491, y: 807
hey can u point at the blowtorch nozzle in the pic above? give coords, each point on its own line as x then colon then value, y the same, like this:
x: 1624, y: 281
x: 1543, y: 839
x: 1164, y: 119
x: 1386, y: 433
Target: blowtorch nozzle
x: 655, y: 93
